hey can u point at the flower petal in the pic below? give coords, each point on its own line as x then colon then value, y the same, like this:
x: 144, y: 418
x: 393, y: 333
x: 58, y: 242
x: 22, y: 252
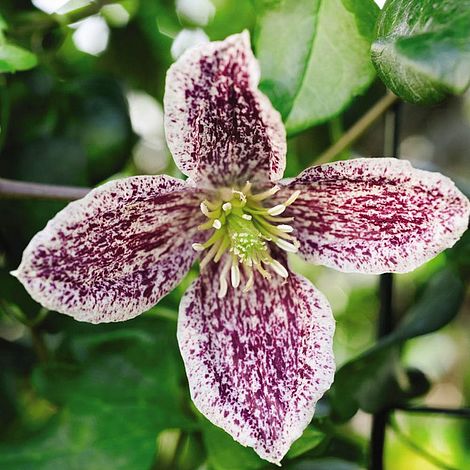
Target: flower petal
x: 220, y: 128
x: 375, y: 215
x: 113, y: 254
x: 257, y: 362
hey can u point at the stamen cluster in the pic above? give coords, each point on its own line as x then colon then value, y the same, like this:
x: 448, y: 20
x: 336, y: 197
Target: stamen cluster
x: 243, y: 228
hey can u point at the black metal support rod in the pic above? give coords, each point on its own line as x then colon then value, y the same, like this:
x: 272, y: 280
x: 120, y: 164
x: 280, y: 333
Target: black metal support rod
x: 449, y: 412
x: 385, y: 319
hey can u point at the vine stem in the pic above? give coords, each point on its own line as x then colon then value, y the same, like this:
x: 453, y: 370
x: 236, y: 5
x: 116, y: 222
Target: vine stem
x: 39, y: 345
x: 10, y: 189
x: 4, y: 110
x: 357, y: 129
x: 47, y: 21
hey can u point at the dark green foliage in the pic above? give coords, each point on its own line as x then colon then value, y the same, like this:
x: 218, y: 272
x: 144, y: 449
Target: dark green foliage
x: 113, y: 389
x: 114, y: 396
x: 375, y: 379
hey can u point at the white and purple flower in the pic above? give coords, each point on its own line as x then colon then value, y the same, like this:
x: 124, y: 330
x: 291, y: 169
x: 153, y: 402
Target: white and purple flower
x: 256, y: 338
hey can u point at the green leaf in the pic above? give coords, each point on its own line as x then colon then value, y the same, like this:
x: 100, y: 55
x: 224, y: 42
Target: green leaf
x: 375, y: 379
x: 422, y: 51
x: 310, y: 439
x: 224, y: 453
x: 117, y: 387
x: 324, y: 464
x: 314, y: 56
x: 14, y: 58
x: 438, y: 305
x: 370, y: 382
x: 459, y: 255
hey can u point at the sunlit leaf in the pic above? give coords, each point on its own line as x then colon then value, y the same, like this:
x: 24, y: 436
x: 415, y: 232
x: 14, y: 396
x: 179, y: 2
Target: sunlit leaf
x: 422, y: 51
x: 314, y: 56
x: 14, y: 58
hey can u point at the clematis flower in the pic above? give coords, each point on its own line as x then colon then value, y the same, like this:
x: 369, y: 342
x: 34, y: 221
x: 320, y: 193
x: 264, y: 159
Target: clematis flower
x: 256, y: 339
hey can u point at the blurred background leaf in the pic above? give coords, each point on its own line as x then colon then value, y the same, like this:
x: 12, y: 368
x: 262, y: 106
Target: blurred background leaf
x: 14, y: 58
x: 376, y: 380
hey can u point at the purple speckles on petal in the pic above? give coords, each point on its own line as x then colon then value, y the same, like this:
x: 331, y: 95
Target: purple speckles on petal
x: 257, y: 362
x: 114, y: 253
x: 375, y: 215
x: 219, y: 127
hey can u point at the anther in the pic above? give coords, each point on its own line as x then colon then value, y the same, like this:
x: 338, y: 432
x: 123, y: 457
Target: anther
x: 249, y: 283
x: 246, y: 188
x: 279, y: 268
x: 265, y: 194
x: 262, y: 271
x: 276, y: 210
x: 286, y: 246
x: 235, y: 275
x: 204, y: 209
x: 292, y: 198
x: 244, y: 228
x: 285, y: 228
x: 223, y: 286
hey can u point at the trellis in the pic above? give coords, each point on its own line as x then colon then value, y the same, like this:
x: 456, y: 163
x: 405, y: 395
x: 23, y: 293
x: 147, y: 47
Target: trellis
x: 385, y: 324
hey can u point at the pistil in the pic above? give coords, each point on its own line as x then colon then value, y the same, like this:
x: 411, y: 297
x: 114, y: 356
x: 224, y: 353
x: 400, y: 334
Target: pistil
x: 243, y: 228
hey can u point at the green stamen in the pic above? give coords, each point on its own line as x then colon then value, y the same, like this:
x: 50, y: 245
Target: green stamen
x: 244, y: 229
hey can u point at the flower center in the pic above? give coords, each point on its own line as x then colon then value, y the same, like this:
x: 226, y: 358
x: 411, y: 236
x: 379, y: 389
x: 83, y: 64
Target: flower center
x: 243, y: 228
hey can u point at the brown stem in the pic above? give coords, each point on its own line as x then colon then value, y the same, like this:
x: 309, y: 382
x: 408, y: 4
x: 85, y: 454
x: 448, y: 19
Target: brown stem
x: 39, y: 345
x: 358, y: 128
x: 83, y: 12
x: 21, y: 190
x: 43, y: 22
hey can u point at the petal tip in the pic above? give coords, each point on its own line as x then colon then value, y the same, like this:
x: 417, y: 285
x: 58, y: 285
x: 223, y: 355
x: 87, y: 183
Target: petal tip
x: 196, y: 98
x: 270, y: 436
x: 15, y: 273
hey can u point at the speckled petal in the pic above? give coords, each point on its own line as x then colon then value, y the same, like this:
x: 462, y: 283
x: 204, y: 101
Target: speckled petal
x: 219, y: 127
x: 113, y: 254
x: 257, y: 362
x: 375, y: 215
